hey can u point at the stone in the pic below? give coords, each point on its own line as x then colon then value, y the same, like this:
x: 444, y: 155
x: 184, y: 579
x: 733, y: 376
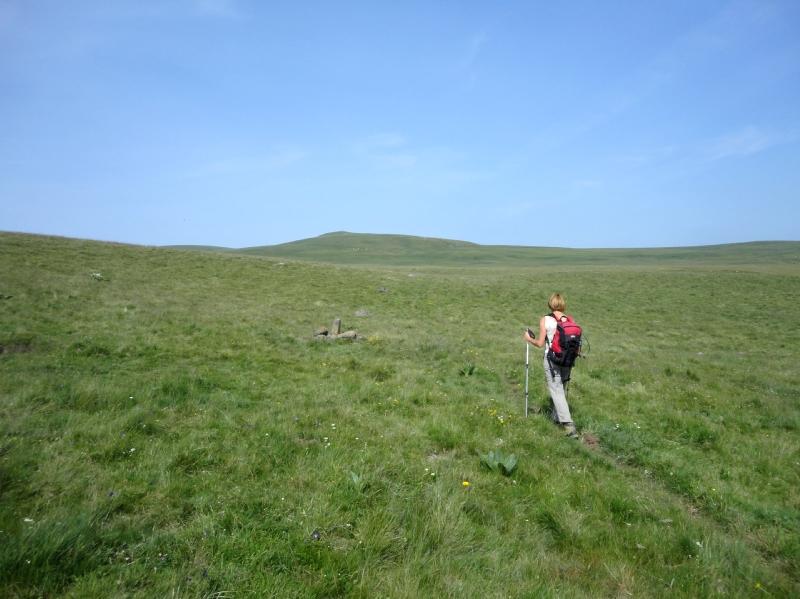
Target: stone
x: 362, y: 313
x: 321, y: 332
x: 336, y: 327
x: 347, y: 335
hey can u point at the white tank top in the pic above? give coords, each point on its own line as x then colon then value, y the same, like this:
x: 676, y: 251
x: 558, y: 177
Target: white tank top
x: 550, y: 326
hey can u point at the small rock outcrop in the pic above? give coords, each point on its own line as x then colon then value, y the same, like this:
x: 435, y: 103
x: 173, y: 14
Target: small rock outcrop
x: 335, y: 332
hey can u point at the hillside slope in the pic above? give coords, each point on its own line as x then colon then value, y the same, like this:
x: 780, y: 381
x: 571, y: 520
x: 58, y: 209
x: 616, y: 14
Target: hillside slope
x: 170, y: 427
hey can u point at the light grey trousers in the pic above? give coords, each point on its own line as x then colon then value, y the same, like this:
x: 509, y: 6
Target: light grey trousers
x: 555, y: 386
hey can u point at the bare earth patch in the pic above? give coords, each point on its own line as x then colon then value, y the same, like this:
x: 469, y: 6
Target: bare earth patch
x: 591, y: 441
x: 15, y: 348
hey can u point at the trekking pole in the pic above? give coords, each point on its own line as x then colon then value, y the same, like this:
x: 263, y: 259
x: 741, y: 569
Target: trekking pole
x: 527, y: 354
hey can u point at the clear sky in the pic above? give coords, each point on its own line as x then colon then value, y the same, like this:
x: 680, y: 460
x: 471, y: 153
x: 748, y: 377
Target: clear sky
x: 241, y: 123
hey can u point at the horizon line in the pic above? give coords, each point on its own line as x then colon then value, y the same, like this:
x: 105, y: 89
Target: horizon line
x: 331, y: 233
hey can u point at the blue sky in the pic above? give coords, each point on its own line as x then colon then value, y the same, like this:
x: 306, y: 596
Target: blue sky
x: 241, y: 123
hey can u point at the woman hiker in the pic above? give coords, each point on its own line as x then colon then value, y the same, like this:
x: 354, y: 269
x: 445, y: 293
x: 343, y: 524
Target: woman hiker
x: 555, y: 376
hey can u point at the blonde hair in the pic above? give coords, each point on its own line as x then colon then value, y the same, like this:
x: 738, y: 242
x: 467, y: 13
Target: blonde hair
x: 557, y: 303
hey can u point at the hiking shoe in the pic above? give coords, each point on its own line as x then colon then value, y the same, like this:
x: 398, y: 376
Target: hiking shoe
x: 570, y: 430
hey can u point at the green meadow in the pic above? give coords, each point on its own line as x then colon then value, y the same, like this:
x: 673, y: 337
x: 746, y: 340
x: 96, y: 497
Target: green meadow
x: 170, y: 427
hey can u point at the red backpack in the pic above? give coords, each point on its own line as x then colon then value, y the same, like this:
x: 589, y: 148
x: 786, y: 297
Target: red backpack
x: 566, y: 345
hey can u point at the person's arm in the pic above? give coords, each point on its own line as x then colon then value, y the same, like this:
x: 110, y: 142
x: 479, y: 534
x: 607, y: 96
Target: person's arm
x: 538, y: 342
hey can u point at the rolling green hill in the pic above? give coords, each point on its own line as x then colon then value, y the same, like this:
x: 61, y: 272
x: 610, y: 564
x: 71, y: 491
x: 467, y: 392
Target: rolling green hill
x: 170, y: 426
x: 200, y: 248
x: 403, y: 250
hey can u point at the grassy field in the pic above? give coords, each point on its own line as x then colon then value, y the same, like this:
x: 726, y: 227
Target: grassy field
x: 170, y: 428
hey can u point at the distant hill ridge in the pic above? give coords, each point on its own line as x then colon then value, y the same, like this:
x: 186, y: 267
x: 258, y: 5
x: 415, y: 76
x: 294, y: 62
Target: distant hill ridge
x: 342, y: 247
x: 410, y: 251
